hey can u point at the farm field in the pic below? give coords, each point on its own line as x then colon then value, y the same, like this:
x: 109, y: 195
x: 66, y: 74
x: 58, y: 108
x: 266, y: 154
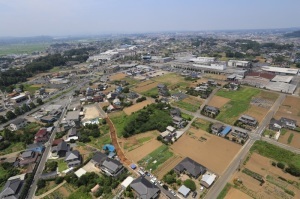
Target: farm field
x: 62, y: 192
x: 140, y: 152
x: 236, y: 194
x: 138, y: 140
x: 22, y: 48
x: 240, y: 103
x: 117, y: 76
x: 218, y: 101
x: 190, y: 103
x: 169, y: 79
x: 118, y: 119
x: 257, y: 112
x: 290, y: 109
x: 145, y: 86
x: 151, y: 92
x: 32, y: 88
x: 201, y: 146
x: 156, y: 158
x: 136, y: 107
x: 294, y: 139
x: 276, y: 181
x: 215, y: 76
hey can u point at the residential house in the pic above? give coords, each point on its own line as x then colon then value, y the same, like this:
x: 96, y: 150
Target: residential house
x: 144, y: 189
x: 190, y: 167
x: 178, y: 121
x: 98, y: 159
x: 240, y: 134
x: 163, y: 90
x: 61, y: 149
x: 132, y: 95
x: 13, y: 187
x: 28, y: 157
x: 207, y: 180
x: 184, y: 191
x: 179, y: 96
x: 73, y: 158
x: 18, y: 124
x: 288, y: 123
x: 36, y: 147
x: 41, y: 136
x: 248, y: 120
x: 112, y: 167
x: 217, y: 128
x: 116, y: 102
x: 210, y: 111
x: 175, y: 112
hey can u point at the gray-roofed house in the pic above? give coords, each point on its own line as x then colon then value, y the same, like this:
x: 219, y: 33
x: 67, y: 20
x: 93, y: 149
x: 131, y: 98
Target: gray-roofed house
x: 190, y: 167
x: 210, y: 111
x: 144, y: 189
x: 72, y: 132
x: 216, y: 128
x: 98, y: 159
x: 61, y: 149
x: 112, y: 167
x: 184, y: 191
x: 179, y: 96
x: 73, y: 158
x: 288, y: 123
x: 248, y: 120
x: 12, y: 188
x: 18, y: 124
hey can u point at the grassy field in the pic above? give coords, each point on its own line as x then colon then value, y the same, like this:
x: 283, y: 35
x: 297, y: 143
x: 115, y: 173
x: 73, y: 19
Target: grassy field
x: 55, y: 69
x: 156, y: 158
x: 100, y: 141
x: 239, y: 103
x: 31, y: 88
x: 186, y: 116
x: 224, y: 191
x: 202, y: 124
x: 13, y: 147
x: 140, y: 142
x: 79, y: 194
x: 62, y: 165
x: 151, y: 92
x: 290, y: 138
x: 269, y: 132
x: 49, y: 185
x: 118, y: 120
x: 186, y: 106
x: 22, y: 48
x: 276, y: 153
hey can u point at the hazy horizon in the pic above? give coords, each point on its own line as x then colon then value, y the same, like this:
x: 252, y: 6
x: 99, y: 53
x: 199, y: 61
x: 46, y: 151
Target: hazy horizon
x: 94, y: 17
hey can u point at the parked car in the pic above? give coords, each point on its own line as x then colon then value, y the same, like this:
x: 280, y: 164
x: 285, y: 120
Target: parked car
x: 165, y: 187
x: 194, y: 194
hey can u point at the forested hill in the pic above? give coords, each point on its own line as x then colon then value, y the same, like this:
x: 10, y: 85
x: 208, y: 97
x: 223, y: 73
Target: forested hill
x: 14, y: 76
x: 293, y: 34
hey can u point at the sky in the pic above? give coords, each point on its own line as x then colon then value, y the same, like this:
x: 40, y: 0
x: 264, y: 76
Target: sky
x: 90, y: 17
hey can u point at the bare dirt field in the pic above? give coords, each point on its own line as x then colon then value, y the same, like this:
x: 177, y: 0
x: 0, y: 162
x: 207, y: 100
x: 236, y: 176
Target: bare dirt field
x: 167, y: 166
x: 191, y: 145
x: 169, y: 79
x: 257, y: 112
x: 215, y: 76
x: 90, y: 112
x: 136, y: 107
x: 295, y: 141
x: 144, y: 86
x: 218, y: 101
x: 194, y: 100
x: 117, y: 76
x: 273, y: 186
x: 133, y: 142
x: 236, y: 194
x: 290, y: 109
x: 142, y: 151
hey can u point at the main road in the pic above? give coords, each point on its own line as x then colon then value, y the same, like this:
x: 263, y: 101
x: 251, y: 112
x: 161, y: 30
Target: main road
x: 215, y: 190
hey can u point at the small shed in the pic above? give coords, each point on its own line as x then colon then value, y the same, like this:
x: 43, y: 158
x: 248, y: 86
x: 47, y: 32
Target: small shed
x: 127, y: 182
x: 133, y: 166
x: 80, y: 172
x: 109, y: 147
x: 184, y: 191
x: 225, y: 131
x: 207, y: 180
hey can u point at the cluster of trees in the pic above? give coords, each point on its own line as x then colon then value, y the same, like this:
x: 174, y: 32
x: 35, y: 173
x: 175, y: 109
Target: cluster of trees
x: 26, y: 137
x: 14, y: 76
x: 190, y: 184
x: 9, y: 171
x: 291, y: 169
x: 87, y: 181
x: 235, y: 54
x: 140, y: 99
x: 50, y: 166
x: 151, y: 117
x: 89, y: 130
x: 18, y: 111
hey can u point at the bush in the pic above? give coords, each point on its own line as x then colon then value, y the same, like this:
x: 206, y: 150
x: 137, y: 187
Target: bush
x: 280, y: 165
x: 59, y: 180
x: 293, y: 170
x: 41, y: 183
x: 274, y: 164
x: 190, y: 184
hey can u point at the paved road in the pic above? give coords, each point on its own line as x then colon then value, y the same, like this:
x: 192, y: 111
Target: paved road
x: 215, y: 190
x: 45, y: 156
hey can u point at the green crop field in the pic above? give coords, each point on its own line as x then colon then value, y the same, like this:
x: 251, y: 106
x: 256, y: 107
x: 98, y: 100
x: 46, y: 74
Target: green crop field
x: 22, y: 48
x: 151, y: 92
x: 156, y: 158
x: 239, y: 103
x: 186, y: 106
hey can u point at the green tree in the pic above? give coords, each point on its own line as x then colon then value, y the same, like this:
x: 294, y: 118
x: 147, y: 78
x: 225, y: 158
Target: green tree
x: 41, y: 183
x: 21, y: 87
x: 10, y: 115
x: 32, y: 105
x: 25, y: 108
x: 190, y: 184
x: 39, y: 101
x: 18, y: 111
x: 2, y: 119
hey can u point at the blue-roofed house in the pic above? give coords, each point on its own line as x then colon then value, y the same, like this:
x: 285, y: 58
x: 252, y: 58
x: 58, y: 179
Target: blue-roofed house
x: 225, y: 131
x: 36, y: 147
